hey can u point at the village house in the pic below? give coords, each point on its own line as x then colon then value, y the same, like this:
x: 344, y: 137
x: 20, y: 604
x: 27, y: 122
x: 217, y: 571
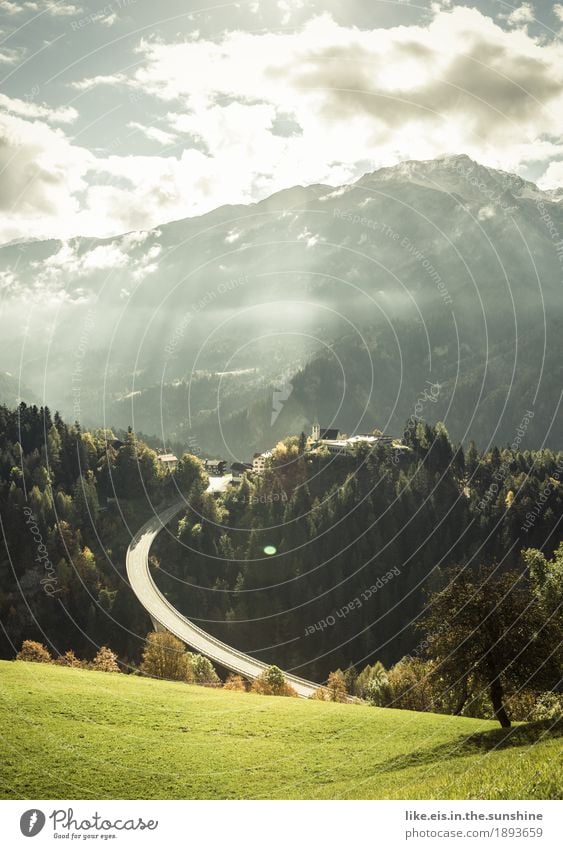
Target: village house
x: 216, y: 468
x: 168, y: 461
x: 260, y: 462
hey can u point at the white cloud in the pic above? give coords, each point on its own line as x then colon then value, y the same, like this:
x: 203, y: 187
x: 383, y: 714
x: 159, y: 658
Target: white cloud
x: 104, y: 257
x: 30, y: 109
x: 100, y: 79
x: 287, y: 8
x: 459, y: 83
x: 10, y: 8
x: 8, y: 56
x: 50, y: 186
x: 41, y: 176
x: 310, y: 239
x: 523, y: 14
x: 8, y: 282
x: 268, y: 110
x: 109, y: 20
x: 558, y: 11
x: 153, y: 133
x: 70, y: 263
x: 486, y: 212
x: 553, y: 176
x: 60, y: 9
x: 141, y: 191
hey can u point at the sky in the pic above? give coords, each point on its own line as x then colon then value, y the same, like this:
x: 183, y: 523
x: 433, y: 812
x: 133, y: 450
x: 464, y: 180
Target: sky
x: 123, y: 115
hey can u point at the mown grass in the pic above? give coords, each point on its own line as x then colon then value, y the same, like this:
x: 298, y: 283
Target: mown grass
x: 76, y: 734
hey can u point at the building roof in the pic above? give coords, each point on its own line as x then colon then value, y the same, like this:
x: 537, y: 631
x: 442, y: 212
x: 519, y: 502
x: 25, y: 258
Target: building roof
x: 358, y: 439
x: 329, y: 433
x: 167, y: 458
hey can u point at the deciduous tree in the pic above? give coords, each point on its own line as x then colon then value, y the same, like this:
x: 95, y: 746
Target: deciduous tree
x: 164, y: 656
x: 491, y: 631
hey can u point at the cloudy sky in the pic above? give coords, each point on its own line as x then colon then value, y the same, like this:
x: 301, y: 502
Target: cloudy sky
x: 126, y: 114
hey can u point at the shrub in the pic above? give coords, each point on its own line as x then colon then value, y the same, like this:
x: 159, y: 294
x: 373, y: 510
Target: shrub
x: 164, y: 656
x: 521, y: 705
x: 320, y: 695
x: 275, y: 678
x: 34, y: 652
x: 272, y: 682
x: 202, y: 670
x: 548, y: 706
x: 236, y: 683
x: 105, y: 661
x: 69, y: 659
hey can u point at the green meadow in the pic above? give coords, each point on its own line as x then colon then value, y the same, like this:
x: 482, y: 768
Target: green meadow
x: 76, y: 734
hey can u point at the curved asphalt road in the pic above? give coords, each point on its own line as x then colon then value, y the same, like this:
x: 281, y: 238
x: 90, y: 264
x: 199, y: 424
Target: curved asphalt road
x: 166, y: 617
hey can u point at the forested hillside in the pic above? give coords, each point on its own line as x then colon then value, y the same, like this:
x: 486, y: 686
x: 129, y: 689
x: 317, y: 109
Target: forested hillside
x: 321, y: 562
x: 325, y: 561
x: 69, y: 502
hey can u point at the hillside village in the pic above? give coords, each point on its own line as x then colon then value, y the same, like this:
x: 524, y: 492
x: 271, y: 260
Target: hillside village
x: 321, y: 439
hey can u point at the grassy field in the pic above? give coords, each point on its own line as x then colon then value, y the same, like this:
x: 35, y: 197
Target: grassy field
x: 76, y: 734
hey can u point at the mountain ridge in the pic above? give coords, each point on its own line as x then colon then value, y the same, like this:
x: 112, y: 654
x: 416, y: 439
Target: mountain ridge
x: 160, y: 327
x: 398, y: 169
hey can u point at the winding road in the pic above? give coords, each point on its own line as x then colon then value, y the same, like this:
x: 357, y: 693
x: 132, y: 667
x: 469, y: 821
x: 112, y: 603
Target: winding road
x: 165, y: 616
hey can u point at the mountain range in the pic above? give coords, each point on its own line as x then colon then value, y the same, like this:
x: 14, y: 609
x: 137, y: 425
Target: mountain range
x: 429, y: 289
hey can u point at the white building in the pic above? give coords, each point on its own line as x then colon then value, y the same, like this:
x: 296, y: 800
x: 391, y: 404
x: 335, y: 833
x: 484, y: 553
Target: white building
x: 339, y: 446
x: 261, y: 461
x: 338, y: 443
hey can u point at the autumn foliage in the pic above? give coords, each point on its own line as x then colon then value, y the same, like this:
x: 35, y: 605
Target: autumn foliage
x: 235, y: 683
x: 336, y: 687
x: 105, y: 661
x: 33, y: 652
x: 272, y: 683
x: 69, y: 659
x: 165, y: 656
